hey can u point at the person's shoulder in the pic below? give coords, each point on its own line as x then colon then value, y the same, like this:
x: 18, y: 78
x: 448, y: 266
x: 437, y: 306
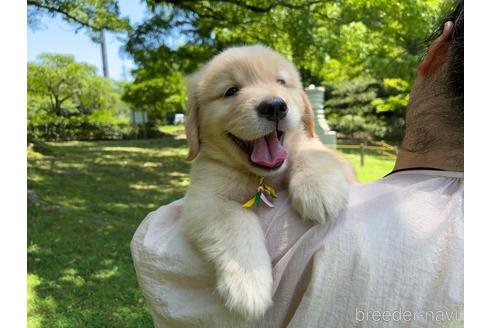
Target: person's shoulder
x: 409, y: 180
x: 367, y: 191
x: 159, y: 243
x: 157, y: 229
x: 403, y: 196
x: 164, y: 217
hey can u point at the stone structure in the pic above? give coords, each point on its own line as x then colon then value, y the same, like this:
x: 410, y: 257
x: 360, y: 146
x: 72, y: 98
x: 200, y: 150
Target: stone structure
x: 316, y: 97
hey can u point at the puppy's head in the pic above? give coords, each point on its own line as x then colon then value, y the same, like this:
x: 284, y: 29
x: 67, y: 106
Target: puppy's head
x: 242, y: 105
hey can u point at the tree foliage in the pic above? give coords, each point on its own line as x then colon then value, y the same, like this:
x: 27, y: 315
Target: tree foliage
x: 363, y: 36
x: 95, y: 15
x: 334, y: 43
x: 158, y: 87
x: 67, y: 100
x: 363, y: 51
x: 92, y: 16
x: 64, y: 87
x: 368, y: 109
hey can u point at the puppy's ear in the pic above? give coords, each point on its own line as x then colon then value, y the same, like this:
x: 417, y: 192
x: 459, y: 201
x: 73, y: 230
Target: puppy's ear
x: 192, y: 126
x: 308, y: 117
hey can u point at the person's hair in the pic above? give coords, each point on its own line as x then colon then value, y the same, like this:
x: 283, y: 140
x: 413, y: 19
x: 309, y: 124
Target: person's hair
x: 457, y: 63
x: 455, y: 70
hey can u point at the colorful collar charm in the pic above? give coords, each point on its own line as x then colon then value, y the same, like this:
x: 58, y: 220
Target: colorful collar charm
x: 260, y: 195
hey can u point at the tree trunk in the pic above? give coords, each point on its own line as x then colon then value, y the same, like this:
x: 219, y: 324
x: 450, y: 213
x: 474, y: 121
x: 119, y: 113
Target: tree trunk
x: 57, y: 107
x: 104, y: 55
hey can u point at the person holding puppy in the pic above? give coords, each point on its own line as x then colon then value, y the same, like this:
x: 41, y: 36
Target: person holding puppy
x: 395, y: 253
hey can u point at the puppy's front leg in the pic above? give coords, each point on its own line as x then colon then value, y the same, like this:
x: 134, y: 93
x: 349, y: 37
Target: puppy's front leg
x: 319, y: 181
x: 231, y: 238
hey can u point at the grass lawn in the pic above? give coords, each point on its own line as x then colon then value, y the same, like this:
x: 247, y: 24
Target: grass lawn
x: 89, y: 199
x: 177, y: 130
x: 374, y: 167
x: 94, y: 195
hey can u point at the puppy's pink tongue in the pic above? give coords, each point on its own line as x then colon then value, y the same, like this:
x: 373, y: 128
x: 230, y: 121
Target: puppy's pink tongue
x: 268, y: 151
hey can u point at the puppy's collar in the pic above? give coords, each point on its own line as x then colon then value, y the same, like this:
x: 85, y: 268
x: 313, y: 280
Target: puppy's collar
x: 263, y: 190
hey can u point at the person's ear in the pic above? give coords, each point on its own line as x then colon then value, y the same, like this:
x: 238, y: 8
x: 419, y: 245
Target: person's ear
x: 437, y: 52
x: 308, y: 116
x: 192, y: 124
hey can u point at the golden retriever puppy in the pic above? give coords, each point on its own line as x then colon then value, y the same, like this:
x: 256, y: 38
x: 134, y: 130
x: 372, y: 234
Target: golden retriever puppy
x: 249, y: 118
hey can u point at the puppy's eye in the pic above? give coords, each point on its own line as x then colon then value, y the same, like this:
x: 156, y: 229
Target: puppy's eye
x: 281, y: 81
x: 231, y: 92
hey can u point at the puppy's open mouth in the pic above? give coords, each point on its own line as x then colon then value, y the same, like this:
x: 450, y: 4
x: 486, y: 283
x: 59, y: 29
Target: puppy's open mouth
x: 266, y: 152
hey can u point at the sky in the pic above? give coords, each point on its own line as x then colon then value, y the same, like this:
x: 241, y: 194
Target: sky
x: 57, y: 36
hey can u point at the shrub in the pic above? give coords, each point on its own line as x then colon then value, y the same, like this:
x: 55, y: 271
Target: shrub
x: 99, y: 126
x: 77, y: 128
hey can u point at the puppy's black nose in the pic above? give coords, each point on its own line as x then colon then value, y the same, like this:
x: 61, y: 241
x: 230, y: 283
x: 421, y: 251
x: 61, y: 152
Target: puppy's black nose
x: 273, y: 109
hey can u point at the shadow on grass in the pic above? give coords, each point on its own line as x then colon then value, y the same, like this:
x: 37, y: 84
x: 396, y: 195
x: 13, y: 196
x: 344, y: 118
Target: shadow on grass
x: 79, y: 252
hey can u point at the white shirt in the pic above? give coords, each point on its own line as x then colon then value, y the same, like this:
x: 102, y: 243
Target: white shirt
x: 394, y: 257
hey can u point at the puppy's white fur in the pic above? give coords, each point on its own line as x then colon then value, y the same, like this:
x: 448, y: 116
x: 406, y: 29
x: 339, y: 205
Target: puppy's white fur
x: 222, y: 177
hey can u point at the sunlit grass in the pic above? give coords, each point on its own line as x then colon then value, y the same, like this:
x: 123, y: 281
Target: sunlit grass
x: 374, y: 167
x: 173, y: 129
x: 79, y: 263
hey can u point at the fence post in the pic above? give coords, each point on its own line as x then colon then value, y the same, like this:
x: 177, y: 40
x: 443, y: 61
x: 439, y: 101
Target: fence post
x: 362, y: 153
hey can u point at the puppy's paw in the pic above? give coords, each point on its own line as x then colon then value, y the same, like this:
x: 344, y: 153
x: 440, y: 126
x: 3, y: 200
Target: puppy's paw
x: 248, y: 293
x: 318, y: 199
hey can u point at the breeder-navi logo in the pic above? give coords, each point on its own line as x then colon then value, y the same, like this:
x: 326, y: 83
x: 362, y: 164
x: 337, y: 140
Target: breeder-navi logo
x: 406, y: 315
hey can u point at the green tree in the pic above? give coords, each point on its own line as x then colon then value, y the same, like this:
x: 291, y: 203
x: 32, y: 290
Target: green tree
x: 158, y: 85
x: 362, y: 36
x: 334, y: 43
x: 58, y: 85
x: 157, y: 95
